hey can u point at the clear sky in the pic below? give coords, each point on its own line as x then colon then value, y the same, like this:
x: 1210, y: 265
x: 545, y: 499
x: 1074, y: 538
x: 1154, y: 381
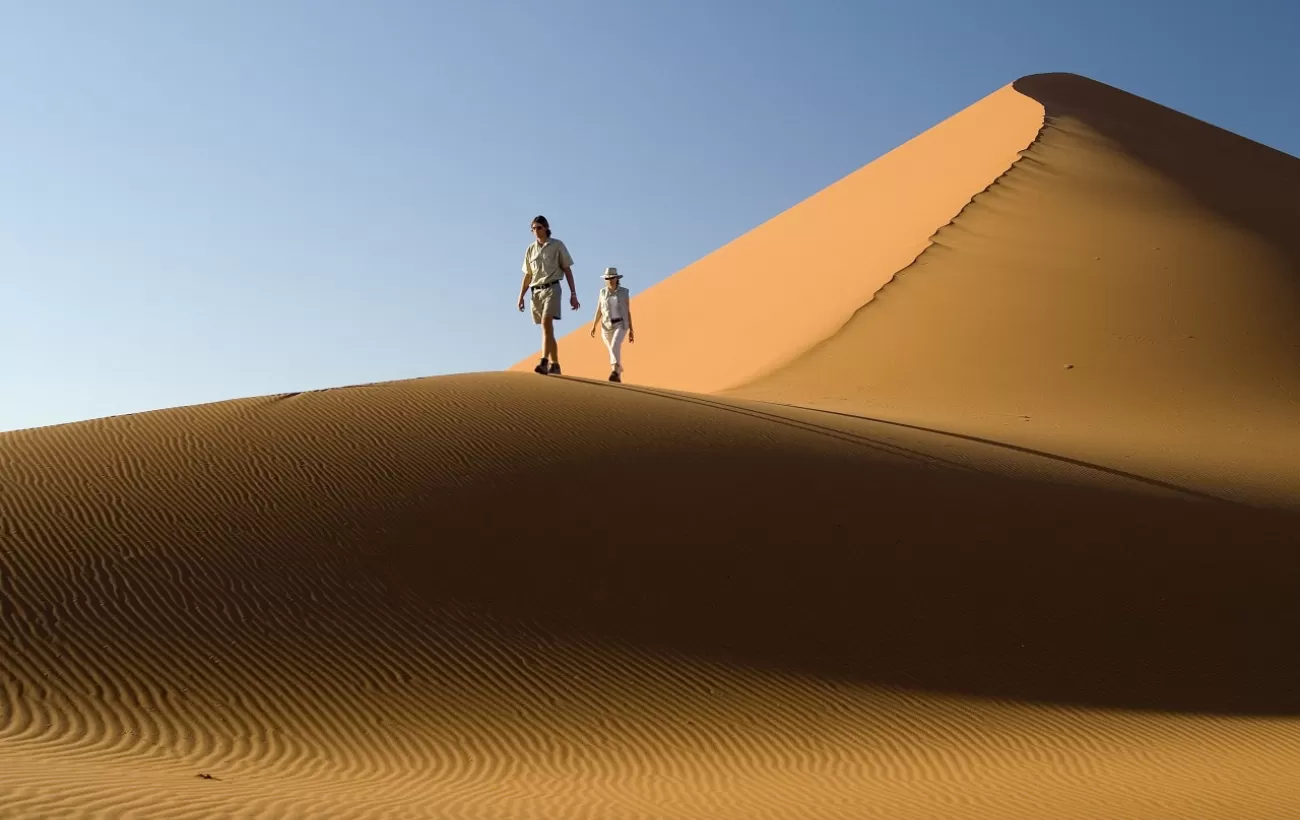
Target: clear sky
x: 208, y: 200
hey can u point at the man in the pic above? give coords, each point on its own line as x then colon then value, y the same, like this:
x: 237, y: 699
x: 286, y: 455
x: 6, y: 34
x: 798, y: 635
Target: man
x: 545, y: 260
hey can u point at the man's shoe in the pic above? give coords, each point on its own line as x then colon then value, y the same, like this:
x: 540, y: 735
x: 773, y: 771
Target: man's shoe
x: 614, y: 377
x: 555, y: 368
x: 541, y: 368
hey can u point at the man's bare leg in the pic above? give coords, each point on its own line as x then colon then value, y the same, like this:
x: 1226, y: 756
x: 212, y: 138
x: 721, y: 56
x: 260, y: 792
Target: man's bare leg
x: 550, y: 349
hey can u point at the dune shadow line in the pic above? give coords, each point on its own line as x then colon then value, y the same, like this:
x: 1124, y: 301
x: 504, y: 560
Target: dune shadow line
x: 694, y: 399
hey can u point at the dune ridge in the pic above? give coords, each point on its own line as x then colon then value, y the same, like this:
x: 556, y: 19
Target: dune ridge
x: 858, y: 230
x: 899, y: 562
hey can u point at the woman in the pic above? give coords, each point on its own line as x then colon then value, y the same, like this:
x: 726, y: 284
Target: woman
x: 614, y: 317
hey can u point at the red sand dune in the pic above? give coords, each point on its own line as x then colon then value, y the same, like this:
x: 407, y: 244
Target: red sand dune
x: 900, y: 562
x: 1127, y: 293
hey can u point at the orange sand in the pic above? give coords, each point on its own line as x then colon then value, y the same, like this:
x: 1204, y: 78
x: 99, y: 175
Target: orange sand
x: 1128, y: 293
x: 773, y: 280
x: 907, y: 567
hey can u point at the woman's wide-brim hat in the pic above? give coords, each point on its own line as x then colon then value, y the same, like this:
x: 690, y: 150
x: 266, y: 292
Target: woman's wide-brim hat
x: 612, y: 273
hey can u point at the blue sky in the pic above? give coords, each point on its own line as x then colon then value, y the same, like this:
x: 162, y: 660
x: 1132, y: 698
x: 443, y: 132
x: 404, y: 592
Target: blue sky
x: 207, y: 200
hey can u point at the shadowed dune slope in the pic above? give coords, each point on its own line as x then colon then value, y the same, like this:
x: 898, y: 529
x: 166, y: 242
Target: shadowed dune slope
x: 1129, y: 292
x: 763, y: 298
x: 429, y: 599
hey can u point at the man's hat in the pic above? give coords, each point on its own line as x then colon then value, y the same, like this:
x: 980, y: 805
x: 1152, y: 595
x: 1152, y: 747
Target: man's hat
x: 612, y: 273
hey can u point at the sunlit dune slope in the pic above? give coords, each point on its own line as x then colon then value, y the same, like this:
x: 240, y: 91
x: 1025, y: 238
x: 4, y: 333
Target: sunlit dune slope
x: 765, y: 297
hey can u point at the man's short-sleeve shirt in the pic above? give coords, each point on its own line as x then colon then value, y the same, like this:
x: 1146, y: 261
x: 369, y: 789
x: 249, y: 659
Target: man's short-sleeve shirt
x: 545, y: 264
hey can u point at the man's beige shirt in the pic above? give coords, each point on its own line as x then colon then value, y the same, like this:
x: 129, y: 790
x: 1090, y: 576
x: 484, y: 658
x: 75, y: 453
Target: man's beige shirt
x: 545, y: 263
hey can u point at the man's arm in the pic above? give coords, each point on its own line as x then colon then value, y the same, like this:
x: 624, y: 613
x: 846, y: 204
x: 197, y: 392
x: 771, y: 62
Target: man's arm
x: 565, y: 261
x: 523, y: 290
x: 573, y: 292
x: 523, y: 286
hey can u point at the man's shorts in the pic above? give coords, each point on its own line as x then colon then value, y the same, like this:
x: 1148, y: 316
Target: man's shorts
x: 546, y: 302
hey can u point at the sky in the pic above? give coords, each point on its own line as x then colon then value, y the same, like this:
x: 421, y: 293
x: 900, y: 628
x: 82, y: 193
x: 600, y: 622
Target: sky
x: 207, y: 200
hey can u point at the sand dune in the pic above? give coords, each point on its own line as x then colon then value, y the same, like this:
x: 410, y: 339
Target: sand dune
x: 1128, y: 293
x: 406, y: 600
x: 841, y: 588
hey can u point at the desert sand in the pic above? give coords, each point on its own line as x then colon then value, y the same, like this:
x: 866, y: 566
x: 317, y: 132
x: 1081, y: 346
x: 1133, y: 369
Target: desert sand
x: 1008, y: 528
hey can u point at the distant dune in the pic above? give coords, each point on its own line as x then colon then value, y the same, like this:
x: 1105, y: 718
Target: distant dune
x: 1005, y: 528
x: 1129, y: 292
